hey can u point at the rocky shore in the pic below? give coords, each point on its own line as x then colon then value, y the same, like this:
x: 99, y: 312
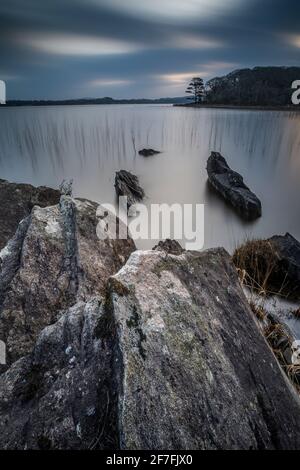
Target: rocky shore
x: 109, y: 347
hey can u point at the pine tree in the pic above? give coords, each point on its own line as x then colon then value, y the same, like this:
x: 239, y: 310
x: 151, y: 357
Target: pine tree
x: 196, y: 89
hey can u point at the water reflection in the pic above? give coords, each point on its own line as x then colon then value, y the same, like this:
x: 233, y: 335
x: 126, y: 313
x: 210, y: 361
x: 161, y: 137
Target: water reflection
x: 89, y: 143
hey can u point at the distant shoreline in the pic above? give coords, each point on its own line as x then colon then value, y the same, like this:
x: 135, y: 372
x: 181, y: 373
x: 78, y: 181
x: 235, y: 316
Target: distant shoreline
x: 173, y: 102
x: 137, y: 102
x: 88, y: 101
x: 292, y: 108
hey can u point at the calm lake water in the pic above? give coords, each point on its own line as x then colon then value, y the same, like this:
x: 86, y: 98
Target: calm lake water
x: 44, y: 145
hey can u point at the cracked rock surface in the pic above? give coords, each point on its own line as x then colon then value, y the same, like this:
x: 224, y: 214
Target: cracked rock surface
x: 112, y: 348
x: 195, y: 372
x: 54, y: 260
x: 59, y: 396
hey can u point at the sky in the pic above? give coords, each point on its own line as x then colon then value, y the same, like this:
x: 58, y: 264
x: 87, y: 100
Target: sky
x: 61, y: 49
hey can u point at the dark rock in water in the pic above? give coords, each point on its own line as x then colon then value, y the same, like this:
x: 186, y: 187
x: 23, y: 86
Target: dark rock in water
x: 54, y: 260
x: 148, y: 152
x: 194, y: 371
x: 232, y: 188
x: 273, y: 264
x: 16, y: 202
x: 127, y: 184
x: 169, y: 246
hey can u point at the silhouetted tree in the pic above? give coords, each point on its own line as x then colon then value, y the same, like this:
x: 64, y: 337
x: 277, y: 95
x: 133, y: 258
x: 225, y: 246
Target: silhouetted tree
x: 196, y: 89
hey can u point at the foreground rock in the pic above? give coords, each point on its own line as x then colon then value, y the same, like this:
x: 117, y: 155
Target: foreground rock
x: 171, y: 359
x: 194, y: 370
x: 17, y: 200
x: 148, y: 152
x: 54, y: 260
x: 127, y: 184
x: 59, y: 397
x: 232, y: 188
x: 272, y: 265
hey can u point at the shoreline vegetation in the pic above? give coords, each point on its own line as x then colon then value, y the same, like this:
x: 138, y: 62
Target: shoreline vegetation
x: 91, y: 101
x: 17, y: 104
x: 270, y: 269
x: 100, y: 101
x: 291, y: 108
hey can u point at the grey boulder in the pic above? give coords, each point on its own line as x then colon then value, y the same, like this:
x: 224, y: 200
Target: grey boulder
x: 16, y: 202
x: 54, y: 260
x: 170, y: 358
x: 59, y: 397
x: 194, y: 371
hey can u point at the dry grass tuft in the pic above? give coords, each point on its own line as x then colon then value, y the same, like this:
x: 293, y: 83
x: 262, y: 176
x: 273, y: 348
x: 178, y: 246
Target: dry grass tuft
x: 275, y: 335
x: 257, y: 262
x: 258, y: 266
x: 281, y: 343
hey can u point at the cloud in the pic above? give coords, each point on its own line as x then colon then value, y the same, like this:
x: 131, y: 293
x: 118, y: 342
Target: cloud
x: 76, y: 45
x: 7, y: 77
x: 105, y: 82
x: 218, y: 66
x: 171, y: 10
x: 75, y: 48
x: 180, y: 79
x: 190, y: 41
x: 204, y: 71
x: 293, y: 40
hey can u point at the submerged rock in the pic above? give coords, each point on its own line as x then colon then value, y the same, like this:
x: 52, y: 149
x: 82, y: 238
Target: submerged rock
x: 127, y: 184
x: 17, y: 200
x: 271, y: 265
x: 54, y: 260
x: 194, y: 371
x: 148, y: 152
x: 232, y: 188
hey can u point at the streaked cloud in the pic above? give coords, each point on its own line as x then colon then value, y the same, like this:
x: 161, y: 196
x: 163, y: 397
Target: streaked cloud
x: 217, y: 65
x: 172, y: 10
x: 204, y: 71
x: 105, y: 82
x: 181, y: 79
x: 76, y: 45
x: 188, y: 41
